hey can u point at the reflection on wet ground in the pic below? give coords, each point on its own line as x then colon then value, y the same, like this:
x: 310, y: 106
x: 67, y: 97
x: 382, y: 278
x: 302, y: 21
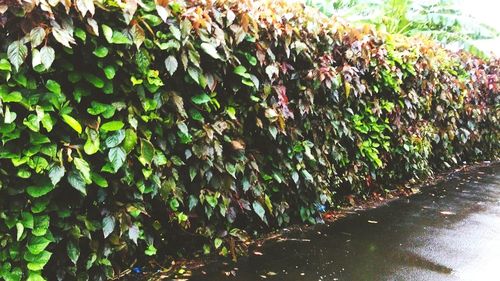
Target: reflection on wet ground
x: 448, y: 232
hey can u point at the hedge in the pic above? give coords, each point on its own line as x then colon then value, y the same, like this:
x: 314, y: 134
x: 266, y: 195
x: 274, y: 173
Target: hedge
x: 131, y: 130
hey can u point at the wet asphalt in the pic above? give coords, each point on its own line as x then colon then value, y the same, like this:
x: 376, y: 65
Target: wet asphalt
x: 450, y: 231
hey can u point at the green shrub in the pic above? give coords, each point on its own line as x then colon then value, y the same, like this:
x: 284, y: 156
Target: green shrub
x: 128, y: 128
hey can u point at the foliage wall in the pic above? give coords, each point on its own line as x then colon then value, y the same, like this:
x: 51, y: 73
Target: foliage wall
x: 128, y: 127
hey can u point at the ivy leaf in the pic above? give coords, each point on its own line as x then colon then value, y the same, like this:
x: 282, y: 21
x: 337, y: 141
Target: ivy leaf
x: 115, y: 139
x: 138, y: 35
x: 37, y: 35
x: 107, y: 32
x: 39, y: 190
x: 37, y: 262
x: 20, y: 230
x: 36, y: 58
x: 53, y: 86
x: 73, y: 251
x: 99, y: 180
x: 85, y: 6
x: 162, y: 11
x: 130, y: 140
x: 110, y: 72
x: 75, y: 125
x: 37, y: 244
x: 76, y: 180
x: 150, y: 251
x: 63, y: 35
x: 175, y: 32
x: 194, y: 73
x: 83, y: 167
x: 108, y: 225
x: 240, y: 70
x: 35, y: 276
x: 259, y: 210
x: 101, y: 52
x: 17, y: 53
x: 147, y: 152
x: 93, y: 142
x: 200, y: 99
x: 210, y: 50
x: 56, y: 173
x: 112, y: 126
x: 133, y: 233
x: 120, y: 38
x: 47, y: 55
x: 5, y: 65
x: 171, y: 64
x: 116, y: 156
x: 11, y: 97
x: 41, y: 225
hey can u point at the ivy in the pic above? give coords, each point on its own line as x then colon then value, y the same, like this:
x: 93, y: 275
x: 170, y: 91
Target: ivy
x: 126, y: 126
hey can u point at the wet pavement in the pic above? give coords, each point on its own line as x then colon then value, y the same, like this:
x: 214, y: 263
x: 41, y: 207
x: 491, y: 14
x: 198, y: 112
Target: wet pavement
x: 450, y: 231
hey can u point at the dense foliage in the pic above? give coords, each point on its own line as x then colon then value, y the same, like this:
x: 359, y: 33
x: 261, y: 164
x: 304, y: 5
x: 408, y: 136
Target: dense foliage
x: 128, y: 127
x: 441, y: 20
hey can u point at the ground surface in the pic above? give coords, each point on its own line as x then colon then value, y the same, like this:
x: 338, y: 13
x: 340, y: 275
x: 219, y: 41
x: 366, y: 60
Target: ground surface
x: 447, y: 232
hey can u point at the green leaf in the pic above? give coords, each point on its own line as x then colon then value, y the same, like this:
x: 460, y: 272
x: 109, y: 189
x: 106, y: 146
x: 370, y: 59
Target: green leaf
x: 99, y: 180
x: 35, y: 276
x: 194, y: 73
x: 200, y: 99
x: 116, y: 156
x: 37, y: 244
x: 217, y: 243
x: 76, y: 180
x: 40, y: 190
x: 175, y: 32
x: 72, y: 123
x: 94, y: 80
x: 110, y: 72
x: 147, y: 152
x: 120, y: 38
x: 251, y: 59
x: 41, y: 225
x: 115, y: 139
x: 210, y: 50
x: 171, y: 64
x: 240, y: 70
x: 73, y: 251
x: 53, y: 86
x: 37, y: 35
x: 27, y: 220
x: 37, y: 262
x: 47, y: 55
x: 211, y: 200
x: 84, y: 168
x: 107, y: 32
x: 259, y: 210
x: 130, y: 140
x: 101, y: 52
x: 112, y: 126
x: 97, y: 108
x: 108, y: 225
x: 11, y: 97
x: 17, y: 53
x: 5, y: 65
x: 56, y: 173
x: 20, y: 230
x: 93, y: 142
x: 150, y: 251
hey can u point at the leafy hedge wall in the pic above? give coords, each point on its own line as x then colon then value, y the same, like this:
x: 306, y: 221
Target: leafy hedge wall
x: 127, y: 126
